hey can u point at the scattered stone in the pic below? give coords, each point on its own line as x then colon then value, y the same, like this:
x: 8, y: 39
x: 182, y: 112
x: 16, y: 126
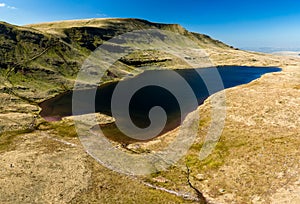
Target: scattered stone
x: 160, y: 179
x: 221, y: 190
x: 200, y: 177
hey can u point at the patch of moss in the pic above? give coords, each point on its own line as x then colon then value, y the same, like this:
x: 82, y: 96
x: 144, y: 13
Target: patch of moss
x: 64, y: 129
x: 213, y: 161
x: 7, y: 138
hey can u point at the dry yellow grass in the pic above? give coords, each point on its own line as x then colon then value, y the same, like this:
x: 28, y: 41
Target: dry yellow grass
x: 258, y: 155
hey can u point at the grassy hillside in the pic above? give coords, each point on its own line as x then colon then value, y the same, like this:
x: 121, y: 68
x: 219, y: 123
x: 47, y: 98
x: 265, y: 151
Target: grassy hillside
x: 55, y: 51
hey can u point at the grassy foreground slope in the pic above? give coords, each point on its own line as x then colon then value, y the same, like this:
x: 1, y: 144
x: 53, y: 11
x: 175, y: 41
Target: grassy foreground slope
x: 256, y: 161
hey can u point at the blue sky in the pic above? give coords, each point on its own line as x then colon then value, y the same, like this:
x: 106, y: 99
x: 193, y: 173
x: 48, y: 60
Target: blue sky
x: 240, y: 23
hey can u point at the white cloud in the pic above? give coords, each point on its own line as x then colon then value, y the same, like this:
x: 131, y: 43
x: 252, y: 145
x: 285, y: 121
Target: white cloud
x: 3, y: 5
x: 11, y: 7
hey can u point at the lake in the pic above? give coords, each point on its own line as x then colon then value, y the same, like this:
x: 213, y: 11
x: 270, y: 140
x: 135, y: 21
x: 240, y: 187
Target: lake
x: 150, y: 96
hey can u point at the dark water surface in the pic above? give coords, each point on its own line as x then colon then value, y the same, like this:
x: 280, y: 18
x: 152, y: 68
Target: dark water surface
x: 148, y: 97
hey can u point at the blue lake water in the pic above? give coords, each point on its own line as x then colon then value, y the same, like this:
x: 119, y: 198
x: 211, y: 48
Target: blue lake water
x: 148, y: 97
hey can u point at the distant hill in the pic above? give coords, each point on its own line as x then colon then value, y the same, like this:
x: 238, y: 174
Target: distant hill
x: 270, y: 49
x: 287, y: 53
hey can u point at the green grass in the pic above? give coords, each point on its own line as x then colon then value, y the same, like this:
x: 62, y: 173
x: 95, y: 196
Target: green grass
x: 213, y: 161
x: 64, y: 129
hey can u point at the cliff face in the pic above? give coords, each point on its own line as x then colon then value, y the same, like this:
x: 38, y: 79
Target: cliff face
x: 90, y: 33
